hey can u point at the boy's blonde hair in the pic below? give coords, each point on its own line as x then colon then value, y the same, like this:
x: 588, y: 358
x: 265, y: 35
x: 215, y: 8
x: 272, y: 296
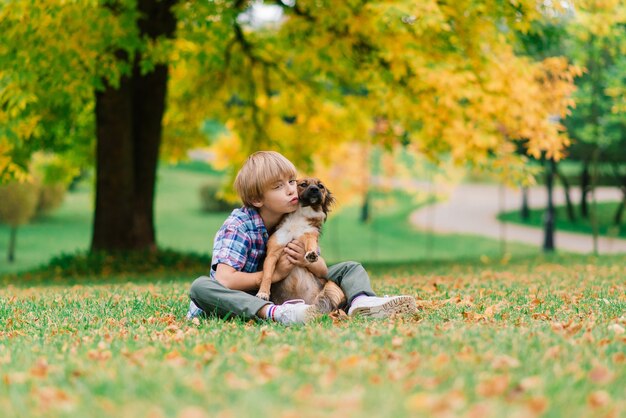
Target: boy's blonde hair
x: 260, y: 170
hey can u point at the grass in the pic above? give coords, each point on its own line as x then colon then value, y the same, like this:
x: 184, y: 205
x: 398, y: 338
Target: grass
x: 182, y: 226
x: 536, y: 337
x: 605, y: 216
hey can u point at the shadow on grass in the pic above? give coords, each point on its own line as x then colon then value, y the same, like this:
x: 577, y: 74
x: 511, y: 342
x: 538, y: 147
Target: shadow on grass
x: 171, y: 266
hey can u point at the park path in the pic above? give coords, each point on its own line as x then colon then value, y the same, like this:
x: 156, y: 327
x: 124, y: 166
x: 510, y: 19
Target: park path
x: 473, y: 209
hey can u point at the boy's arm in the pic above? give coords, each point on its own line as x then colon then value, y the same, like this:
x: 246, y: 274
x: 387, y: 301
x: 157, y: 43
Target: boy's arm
x: 234, y: 279
x: 295, y: 254
x: 319, y: 268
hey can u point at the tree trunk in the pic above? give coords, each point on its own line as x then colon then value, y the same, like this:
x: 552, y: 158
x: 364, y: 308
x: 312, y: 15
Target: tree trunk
x: 129, y: 126
x: 525, y: 210
x: 549, y: 216
x: 568, y: 201
x: 365, y: 208
x: 585, y: 182
x: 12, y: 241
x: 620, y: 209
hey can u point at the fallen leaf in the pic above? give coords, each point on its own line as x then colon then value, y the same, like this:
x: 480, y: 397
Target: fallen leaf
x: 600, y: 374
x: 338, y: 316
x: 52, y: 397
x: 490, y: 311
x: 15, y: 378
x: 598, y: 399
x: 537, y: 404
x: 235, y: 382
x: 40, y: 369
x: 619, y: 358
x: 99, y: 355
x: 552, y: 352
x: 493, y: 386
x: 531, y: 382
x: 174, y: 358
x: 396, y: 342
x: 266, y: 333
x: 503, y: 362
x: 193, y: 412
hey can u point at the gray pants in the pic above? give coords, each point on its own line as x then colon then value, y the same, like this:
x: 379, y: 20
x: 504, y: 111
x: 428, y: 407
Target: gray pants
x: 213, y: 298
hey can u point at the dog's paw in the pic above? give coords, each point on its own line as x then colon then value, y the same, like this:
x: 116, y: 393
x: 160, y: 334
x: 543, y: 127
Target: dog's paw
x: 311, y: 256
x: 263, y: 295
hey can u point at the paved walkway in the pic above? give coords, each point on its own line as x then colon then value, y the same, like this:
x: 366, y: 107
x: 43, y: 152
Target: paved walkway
x: 473, y: 208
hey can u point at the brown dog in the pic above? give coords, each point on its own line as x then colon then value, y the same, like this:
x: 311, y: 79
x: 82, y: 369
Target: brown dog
x: 304, y: 225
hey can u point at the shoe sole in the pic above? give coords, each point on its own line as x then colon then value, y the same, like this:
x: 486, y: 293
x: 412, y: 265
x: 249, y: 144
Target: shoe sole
x: 397, y: 305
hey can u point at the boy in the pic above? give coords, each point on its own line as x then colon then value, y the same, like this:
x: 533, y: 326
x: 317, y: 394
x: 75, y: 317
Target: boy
x: 266, y: 185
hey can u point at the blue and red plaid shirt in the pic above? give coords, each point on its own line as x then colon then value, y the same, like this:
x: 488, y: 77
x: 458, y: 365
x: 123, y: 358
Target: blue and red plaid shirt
x: 241, y: 242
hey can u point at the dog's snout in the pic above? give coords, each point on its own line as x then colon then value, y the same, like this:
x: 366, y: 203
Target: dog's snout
x: 314, y: 189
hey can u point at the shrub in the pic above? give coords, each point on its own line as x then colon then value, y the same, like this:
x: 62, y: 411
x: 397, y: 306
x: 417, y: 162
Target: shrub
x: 211, y: 199
x: 54, y: 174
x: 100, y: 263
x: 50, y: 197
x: 18, y: 202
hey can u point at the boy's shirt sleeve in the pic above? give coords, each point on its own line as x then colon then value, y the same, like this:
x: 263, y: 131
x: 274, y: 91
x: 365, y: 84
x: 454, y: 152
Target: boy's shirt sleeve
x: 231, y: 248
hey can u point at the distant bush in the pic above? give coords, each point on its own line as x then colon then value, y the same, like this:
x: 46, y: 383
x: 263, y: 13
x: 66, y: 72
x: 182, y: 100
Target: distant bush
x: 18, y: 202
x: 211, y: 199
x: 53, y: 174
x: 103, y: 264
x: 51, y: 196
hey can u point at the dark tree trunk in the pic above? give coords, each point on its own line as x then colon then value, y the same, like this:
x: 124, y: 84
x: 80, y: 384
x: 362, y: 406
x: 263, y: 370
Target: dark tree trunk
x: 585, y: 184
x: 620, y: 209
x: 525, y: 210
x: 568, y: 201
x: 549, y: 216
x: 129, y: 126
x: 12, y: 241
x: 365, y: 209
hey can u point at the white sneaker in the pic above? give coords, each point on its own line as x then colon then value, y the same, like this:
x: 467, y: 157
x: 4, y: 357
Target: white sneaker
x: 194, y: 311
x: 294, y: 312
x: 376, y: 307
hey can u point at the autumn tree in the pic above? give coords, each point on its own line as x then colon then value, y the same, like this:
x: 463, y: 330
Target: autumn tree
x: 313, y: 83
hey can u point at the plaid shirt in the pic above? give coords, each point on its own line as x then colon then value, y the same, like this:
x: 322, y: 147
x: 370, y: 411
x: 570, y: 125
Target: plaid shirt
x: 241, y: 242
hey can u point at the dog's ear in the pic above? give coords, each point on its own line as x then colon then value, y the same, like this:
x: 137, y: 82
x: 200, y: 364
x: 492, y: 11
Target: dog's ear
x: 328, y: 202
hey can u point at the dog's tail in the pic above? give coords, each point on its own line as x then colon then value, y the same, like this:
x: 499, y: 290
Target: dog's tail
x: 330, y: 298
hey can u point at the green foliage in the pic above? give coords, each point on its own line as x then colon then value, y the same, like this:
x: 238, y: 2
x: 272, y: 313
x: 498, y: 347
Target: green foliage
x: 211, y: 199
x: 543, y: 337
x: 52, y: 169
x: 322, y: 73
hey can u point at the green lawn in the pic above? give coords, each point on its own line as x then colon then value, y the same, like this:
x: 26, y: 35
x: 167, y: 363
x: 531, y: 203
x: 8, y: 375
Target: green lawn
x: 182, y: 226
x: 537, y: 337
x: 605, y: 215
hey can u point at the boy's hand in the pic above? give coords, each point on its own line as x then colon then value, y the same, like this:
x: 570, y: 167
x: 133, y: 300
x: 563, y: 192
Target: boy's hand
x: 283, y: 268
x: 295, y: 253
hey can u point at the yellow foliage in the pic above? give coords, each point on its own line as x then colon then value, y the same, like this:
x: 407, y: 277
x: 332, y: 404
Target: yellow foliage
x: 442, y: 76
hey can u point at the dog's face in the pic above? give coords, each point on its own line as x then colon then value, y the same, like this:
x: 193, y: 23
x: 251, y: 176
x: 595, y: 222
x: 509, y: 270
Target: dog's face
x: 312, y: 192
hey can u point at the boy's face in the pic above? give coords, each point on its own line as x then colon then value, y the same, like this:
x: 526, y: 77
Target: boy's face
x: 280, y: 197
